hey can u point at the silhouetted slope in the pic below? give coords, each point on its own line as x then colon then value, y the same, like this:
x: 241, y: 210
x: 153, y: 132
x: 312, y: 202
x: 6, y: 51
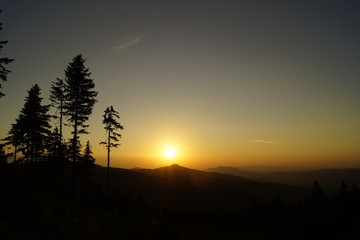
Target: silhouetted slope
x: 47, y: 200
x: 183, y: 187
x: 329, y: 179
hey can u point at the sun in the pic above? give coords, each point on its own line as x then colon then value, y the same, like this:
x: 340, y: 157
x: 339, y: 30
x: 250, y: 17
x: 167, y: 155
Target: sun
x: 170, y: 152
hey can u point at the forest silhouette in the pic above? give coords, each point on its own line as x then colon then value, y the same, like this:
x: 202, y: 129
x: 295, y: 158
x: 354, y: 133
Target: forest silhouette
x: 52, y: 188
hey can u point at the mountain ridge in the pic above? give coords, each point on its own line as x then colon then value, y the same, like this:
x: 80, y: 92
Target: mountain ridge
x: 179, y: 186
x: 329, y: 179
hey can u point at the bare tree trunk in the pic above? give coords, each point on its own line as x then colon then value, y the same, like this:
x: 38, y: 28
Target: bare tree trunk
x: 108, y: 167
x: 74, y: 155
x: 60, y: 148
x: 61, y: 119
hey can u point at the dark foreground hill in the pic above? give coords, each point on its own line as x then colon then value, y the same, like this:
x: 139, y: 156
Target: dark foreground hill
x: 183, y: 187
x: 329, y: 179
x: 49, y: 201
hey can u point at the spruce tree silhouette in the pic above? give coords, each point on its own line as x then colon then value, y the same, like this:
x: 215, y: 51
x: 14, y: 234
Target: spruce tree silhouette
x: 14, y: 139
x: 57, y: 98
x: 3, y: 61
x: 3, y: 157
x: 87, y: 158
x: 79, y: 99
x: 54, y: 146
x: 343, y: 188
x: 31, y: 130
x: 319, y: 197
x: 111, y: 127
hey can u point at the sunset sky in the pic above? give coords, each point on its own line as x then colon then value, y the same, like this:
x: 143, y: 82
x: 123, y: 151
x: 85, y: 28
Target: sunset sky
x: 234, y: 83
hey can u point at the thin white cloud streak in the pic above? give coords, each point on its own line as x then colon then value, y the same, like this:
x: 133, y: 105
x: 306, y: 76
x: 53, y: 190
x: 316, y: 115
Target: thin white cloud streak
x: 263, y: 141
x: 128, y: 44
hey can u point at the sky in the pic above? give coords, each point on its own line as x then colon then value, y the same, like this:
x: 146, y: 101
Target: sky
x: 225, y: 83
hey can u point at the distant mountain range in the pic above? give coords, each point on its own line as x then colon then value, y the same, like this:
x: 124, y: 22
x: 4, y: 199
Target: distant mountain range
x: 187, y: 188
x: 329, y: 179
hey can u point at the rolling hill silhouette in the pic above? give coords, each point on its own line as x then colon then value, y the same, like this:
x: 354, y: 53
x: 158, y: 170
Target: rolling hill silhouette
x: 330, y: 179
x: 177, y: 186
x: 44, y: 202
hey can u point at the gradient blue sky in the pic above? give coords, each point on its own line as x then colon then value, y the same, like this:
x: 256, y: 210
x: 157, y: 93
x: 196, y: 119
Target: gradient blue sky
x: 225, y: 82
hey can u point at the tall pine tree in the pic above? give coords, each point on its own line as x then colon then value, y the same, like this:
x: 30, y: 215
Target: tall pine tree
x: 32, y: 127
x: 3, y: 156
x: 14, y: 138
x: 57, y: 98
x: 111, y: 127
x: 3, y: 61
x: 79, y: 99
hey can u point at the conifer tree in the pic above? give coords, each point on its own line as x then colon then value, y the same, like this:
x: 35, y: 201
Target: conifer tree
x: 87, y: 157
x: 343, y: 188
x: 319, y: 196
x: 3, y: 156
x: 32, y: 126
x: 111, y: 127
x: 54, y: 146
x: 3, y: 61
x: 57, y: 98
x: 79, y: 99
x: 14, y: 138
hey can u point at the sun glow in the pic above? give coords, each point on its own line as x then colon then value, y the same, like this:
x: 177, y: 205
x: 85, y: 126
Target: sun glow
x: 170, y: 152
